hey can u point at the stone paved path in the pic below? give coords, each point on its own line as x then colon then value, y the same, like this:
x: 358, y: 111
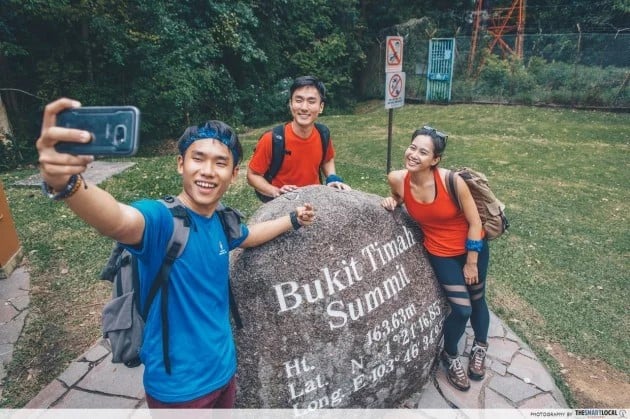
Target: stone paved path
x: 14, y: 300
x: 515, y: 379
x: 97, y: 172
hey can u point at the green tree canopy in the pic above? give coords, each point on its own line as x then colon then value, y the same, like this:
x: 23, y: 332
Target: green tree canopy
x: 184, y: 61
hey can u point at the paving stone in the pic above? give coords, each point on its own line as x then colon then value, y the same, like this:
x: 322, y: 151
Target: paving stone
x: 528, y: 353
x: 96, y: 353
x: 6, y: 350
x: 17, y: 284
x: 541, y: 401
x: 527, y: 368
x: 464, y: 345
x: 502, y: 349
x: 512, y: 388
x: 50, y: 394
x: 3, y: 373
x: 496, y: 329
x: 512, y: 336
x: 497, y: 366
x: 77, y: 399
x: 20, y: 302
x: 115, y: 379
x: 412, y: 401
x: 493, y: 400
x: 430, y: 398
x: 7, y: 312
x: 74, y: 372
x: 12, y: 329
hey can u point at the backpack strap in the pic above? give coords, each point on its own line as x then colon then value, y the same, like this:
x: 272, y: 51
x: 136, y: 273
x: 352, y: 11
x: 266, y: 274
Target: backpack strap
x: 231, y: 222
x: 277, y: 152
x: 451, y: 185
x: 113, y: 264
x: 324, y: 135
x: 161, y: 282
x: 175, y: 247
x: 135, y: 280
x: 277, y: 157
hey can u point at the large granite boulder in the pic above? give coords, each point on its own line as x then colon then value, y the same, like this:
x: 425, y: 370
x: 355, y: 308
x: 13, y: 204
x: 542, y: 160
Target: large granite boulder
x: 343, y: 313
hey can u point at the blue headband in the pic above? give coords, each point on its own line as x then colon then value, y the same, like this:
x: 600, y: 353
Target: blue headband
x: 212, y: 134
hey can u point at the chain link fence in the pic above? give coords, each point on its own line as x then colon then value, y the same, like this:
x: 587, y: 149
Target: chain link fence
x: 574, y: 69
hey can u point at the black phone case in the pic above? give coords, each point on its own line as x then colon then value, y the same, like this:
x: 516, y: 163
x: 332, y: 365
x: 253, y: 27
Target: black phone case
x: 114, y: 130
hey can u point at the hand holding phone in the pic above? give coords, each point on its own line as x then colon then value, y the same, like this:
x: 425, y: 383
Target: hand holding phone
x: 114, y: 130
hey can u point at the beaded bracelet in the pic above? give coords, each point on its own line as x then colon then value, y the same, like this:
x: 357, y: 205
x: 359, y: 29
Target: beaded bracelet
x: 333, y: 178
x: 294, y: 220
x: 474, y: 245
x: 73, y: 185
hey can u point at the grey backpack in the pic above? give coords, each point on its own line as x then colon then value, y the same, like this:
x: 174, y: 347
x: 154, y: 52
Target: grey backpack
x: 124, y: 315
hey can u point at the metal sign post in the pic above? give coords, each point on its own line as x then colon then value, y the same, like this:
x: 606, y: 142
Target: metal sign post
x: 394, y: 85
x: 390, y: 120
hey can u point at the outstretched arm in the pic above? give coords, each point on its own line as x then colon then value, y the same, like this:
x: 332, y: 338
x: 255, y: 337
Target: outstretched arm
x: 93, y: 204
x: 395, y: 180
x: 263, y: 232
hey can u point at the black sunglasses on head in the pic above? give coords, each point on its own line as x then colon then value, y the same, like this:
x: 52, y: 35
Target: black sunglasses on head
x: 433, y: 131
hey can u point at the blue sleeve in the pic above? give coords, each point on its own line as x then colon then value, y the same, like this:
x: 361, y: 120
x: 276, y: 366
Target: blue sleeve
x: 237, y: 242
x: 158, y: 228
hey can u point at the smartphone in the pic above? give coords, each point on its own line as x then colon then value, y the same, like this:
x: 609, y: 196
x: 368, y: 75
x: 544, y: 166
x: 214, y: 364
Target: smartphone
x: 114, y: 130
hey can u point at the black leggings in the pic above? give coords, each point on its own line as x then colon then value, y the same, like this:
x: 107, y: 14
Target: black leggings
x: 466, y: 301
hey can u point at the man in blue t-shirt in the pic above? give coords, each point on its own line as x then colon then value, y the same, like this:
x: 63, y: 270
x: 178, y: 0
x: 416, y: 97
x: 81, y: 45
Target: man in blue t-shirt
x: 202, y: 353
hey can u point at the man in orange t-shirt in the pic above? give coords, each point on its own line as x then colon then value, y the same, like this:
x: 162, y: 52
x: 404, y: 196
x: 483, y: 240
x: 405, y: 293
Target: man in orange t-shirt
x: 303, y: 146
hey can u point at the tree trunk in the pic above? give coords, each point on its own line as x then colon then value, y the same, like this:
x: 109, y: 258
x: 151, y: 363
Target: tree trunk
x: 5, y: 126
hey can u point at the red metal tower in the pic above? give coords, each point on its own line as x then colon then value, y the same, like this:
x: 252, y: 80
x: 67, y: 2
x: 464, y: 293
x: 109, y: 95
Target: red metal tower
x: 498, y: 22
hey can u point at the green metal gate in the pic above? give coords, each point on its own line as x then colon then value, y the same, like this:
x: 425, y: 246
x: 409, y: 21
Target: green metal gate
x: 440, y: 69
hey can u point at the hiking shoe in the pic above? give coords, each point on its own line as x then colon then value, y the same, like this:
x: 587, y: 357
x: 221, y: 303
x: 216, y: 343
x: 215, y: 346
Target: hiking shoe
x: 455, y: 372
x: 477, y: 364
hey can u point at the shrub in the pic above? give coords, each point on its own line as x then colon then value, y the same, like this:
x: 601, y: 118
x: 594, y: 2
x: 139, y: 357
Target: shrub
x: 544, y: 82
x: 501, y: 78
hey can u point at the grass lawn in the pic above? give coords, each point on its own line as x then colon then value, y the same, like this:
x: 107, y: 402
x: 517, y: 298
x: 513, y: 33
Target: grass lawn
x: 559, y: 277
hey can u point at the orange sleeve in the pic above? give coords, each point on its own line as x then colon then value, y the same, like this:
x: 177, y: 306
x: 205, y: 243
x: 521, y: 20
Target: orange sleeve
x: 261, y: 159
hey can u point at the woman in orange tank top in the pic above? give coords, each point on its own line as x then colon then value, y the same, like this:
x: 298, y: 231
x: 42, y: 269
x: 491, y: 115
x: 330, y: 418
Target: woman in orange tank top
x: 455, y: 243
